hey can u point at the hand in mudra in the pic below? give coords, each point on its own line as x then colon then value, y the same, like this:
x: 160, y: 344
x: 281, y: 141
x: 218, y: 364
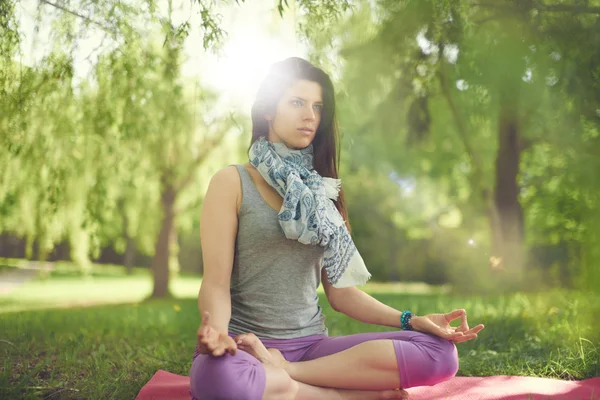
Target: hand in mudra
x: 212, y: 342
x: 439, y: 325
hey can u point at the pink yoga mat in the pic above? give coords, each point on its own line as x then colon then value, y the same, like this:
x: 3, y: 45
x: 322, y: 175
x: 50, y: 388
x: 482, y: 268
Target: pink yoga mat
x: 167, y: 386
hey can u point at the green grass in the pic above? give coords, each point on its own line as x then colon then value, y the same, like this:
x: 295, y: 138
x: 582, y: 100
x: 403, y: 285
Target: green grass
x: 70, y: 292
x: 110, y: 351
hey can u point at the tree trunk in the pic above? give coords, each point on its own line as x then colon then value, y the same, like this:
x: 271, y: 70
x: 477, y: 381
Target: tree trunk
x: 160, y: 262
x: 391, y: 266
x: 174, y: 266
x: 29, y: 241
x: 129, y: 245
x: 129, y: 255
x: 507, y: 215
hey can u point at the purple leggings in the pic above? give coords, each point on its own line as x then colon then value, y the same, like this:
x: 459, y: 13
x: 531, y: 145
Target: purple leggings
x: 422, y: 360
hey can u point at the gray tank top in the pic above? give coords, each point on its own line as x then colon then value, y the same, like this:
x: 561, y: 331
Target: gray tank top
x: 274, y: 279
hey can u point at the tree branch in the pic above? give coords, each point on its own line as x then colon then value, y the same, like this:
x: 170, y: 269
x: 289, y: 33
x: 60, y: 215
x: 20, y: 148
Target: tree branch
x: 188, y: 207
x: 576, y: 9
x: 461, y: 125
x: 78, y: 15
x: 492, y: 5
x: 541, y: 7
x: 217, y: 140
x: 478, y: 178
x: 492, y: 17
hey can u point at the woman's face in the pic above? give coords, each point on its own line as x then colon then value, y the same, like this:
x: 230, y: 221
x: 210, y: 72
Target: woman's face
x: 297, y: 116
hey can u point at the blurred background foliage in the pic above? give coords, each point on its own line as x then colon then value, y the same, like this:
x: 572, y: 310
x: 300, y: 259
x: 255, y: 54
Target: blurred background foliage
x: 470, y: 137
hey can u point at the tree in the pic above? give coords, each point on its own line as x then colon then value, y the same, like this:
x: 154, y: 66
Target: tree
x: 130, y: 140
x: 445, y: 87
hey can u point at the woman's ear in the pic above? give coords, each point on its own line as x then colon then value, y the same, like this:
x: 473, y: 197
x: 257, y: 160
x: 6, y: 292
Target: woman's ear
x: 268, y: 118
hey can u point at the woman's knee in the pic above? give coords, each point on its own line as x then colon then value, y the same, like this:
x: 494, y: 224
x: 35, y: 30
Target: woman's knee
x: 287, y: 392
x: 447, y: 367
x: 227, y: 377
x: 279, y: 385
x: 435, y: 361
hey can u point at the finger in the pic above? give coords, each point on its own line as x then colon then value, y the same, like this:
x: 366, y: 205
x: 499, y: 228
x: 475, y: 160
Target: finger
x: 218, y: 349
x: 204, y: 325
x: 218, y: 352
x: 223, y: 348
x: 211, y: 345
x: 232, y: 351
x: 204, y: 337
x: 464, y: 325
x: 236, y: 341
x: 454, y: 336
x: 476, y: 329
x: 452, y: 315
x: 465, y: 338
x: 203, y: 331
x: 205, y: 318
x: 444, y: 333
x: 239, y: 339
x: 231, y: 342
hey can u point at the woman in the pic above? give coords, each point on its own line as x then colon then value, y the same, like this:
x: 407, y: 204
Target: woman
x: 272, y: 230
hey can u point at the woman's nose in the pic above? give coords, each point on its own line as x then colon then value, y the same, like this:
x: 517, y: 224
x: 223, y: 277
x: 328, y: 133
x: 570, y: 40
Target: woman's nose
x: 310, y: 114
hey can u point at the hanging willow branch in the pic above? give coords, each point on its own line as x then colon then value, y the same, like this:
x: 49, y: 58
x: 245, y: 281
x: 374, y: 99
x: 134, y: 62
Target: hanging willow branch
x: 78, y: 15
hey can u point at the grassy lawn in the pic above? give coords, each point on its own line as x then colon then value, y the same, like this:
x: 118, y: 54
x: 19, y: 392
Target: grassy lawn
x: 51, y: 346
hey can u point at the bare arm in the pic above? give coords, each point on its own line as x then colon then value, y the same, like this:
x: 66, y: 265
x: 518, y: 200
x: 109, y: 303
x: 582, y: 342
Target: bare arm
x: 359, y: 305
x: 218, y: 229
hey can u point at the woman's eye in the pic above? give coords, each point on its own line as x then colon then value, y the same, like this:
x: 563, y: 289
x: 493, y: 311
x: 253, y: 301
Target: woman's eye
x: 299, y: 103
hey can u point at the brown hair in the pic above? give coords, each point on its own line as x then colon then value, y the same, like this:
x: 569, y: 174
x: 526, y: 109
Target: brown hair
x: 326, y: 143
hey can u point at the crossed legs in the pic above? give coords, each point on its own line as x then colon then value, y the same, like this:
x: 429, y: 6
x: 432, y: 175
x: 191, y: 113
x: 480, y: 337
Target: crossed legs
x: 363, y: 366
x: 308, y: 380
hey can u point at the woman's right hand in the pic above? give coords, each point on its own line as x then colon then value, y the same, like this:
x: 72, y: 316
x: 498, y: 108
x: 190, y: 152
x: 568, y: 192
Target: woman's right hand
x: 212, y: 342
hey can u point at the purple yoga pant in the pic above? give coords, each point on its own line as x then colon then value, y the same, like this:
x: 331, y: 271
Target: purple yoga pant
x: 423, y: 360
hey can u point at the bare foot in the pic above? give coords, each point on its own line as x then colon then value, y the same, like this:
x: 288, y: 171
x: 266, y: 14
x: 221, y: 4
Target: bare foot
x: 251, y: 344
x: 278, y: 359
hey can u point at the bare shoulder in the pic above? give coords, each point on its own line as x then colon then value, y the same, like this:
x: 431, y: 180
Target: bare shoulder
x: 226, y: 175
x: 226, y: 185
x: 254, y: 174
x: 249, y: 167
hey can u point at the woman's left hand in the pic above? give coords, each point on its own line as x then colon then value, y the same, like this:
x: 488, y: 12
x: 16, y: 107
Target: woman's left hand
x: 439, y: 325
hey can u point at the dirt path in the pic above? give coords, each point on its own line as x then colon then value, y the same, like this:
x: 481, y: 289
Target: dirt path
x: 16, y: 277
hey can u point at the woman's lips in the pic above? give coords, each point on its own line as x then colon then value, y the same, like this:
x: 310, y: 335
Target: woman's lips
x: 306, y: 131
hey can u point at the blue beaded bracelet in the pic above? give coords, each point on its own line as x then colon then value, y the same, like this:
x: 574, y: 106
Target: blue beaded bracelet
x: 405, y: 320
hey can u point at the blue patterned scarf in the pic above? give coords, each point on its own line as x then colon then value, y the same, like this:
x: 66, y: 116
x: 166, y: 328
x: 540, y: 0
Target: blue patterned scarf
x: 308, y: 213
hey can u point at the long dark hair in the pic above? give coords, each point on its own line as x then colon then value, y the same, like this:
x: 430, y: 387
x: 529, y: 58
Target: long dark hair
x: 326, y: 144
